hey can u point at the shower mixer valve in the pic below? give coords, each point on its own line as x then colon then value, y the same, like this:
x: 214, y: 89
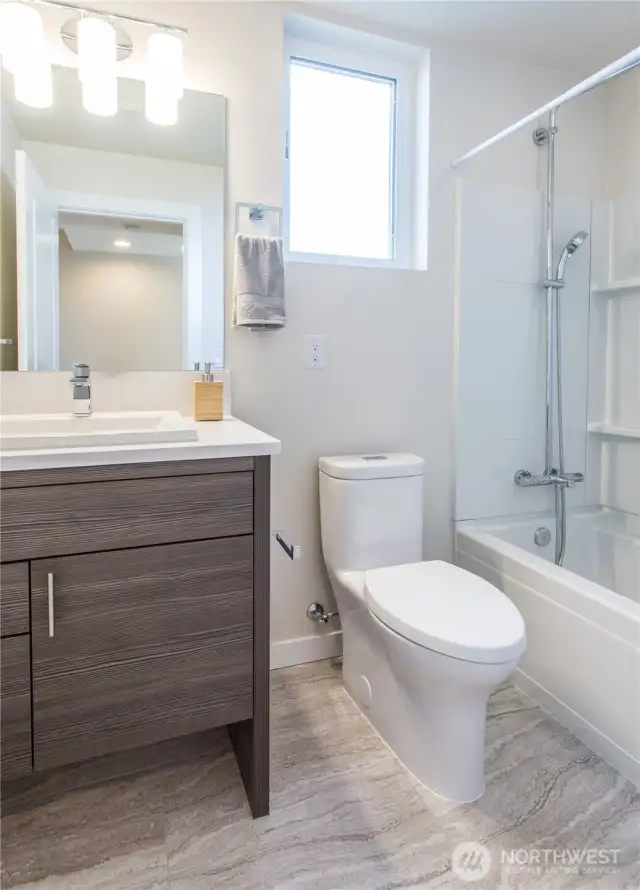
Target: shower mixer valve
x: 564, y: 480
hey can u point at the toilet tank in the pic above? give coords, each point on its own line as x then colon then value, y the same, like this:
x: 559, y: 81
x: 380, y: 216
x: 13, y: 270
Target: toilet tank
x: 371, y: 510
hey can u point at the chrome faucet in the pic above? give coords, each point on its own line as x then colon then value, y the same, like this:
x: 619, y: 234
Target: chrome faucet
x: 81, y: 387
x: 562, y: 480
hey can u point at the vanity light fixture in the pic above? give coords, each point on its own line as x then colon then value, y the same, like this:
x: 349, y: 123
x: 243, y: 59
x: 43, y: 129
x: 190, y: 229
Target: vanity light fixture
x: 93, y: 36
x: 96, y: 42
x: 23, y: 53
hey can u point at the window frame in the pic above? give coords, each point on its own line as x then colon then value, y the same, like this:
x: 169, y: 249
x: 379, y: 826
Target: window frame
x: 374, y: 66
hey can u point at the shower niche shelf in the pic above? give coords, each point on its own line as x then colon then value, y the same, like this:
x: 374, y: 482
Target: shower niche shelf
x: 611, y: 429
x: 618, y: 287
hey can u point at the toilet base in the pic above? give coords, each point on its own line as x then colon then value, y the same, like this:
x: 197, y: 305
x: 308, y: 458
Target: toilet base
x: 429, y: 708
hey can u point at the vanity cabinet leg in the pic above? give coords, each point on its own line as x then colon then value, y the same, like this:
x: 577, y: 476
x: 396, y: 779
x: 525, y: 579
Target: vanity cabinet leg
x: 250, y: 738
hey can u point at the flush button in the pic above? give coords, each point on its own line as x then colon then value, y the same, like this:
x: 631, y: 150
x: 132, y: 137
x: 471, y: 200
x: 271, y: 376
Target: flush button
x: 375, y: 457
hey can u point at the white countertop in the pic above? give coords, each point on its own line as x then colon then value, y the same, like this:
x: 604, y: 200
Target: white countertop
x: 223, y: 438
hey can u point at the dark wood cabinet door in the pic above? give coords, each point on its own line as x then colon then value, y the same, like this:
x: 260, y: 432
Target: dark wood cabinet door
x: 133, y: 646
x: 16, y: 707
x: 14, y: 599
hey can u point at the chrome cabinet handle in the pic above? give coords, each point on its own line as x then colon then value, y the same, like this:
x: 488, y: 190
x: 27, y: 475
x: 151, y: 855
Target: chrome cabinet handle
x: 50, y: 593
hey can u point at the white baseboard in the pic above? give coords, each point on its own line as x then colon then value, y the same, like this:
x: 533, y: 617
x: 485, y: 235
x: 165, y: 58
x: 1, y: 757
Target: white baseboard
x: 611, y: 753
x: 285, y: 653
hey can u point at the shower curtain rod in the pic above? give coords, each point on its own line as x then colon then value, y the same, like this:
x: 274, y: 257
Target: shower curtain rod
x: 631, y: 60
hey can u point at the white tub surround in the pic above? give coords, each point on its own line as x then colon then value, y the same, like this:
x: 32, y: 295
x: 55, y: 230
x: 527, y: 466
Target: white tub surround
x: 225, y: 438
x: 582, y: 660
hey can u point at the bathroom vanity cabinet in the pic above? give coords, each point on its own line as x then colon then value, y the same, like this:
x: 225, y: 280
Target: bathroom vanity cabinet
x: 135, y: 608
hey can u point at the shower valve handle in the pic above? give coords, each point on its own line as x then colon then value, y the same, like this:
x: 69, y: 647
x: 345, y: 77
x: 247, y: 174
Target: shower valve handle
x: 566, y: 480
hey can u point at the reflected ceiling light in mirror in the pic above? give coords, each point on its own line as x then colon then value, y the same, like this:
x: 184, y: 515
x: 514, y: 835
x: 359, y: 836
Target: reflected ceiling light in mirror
x: 100, y: 97
x: 34, y: 85
x: 97, y: 56
x: 160, y: 107
x: 164, y: 78
x: 122, y: 243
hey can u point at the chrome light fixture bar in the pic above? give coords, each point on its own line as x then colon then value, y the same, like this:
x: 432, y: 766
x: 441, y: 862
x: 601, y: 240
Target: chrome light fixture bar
x: 134, y: 20
x: 623, y: 64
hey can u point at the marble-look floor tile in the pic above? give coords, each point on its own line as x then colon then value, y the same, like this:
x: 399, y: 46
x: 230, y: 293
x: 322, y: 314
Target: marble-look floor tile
x: 54, y: 828
x: 328, y: 819
x: 146, y: 869
x: 344, y: 812
x: 47, y: 851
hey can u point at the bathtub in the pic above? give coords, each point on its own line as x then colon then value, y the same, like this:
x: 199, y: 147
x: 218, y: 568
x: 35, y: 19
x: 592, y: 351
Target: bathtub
x: 582, y: 661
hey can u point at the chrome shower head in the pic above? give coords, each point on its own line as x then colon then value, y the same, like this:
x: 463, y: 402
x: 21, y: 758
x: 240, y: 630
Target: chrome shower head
x: 576, y: 241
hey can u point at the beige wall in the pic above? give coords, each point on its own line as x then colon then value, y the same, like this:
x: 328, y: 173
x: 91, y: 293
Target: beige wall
x: 120, y: 313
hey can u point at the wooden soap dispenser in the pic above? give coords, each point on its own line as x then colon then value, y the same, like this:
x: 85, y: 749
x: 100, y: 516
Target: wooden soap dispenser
x: 207, y: 396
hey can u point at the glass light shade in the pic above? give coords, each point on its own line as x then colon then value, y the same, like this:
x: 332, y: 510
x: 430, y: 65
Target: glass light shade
x: 96, y: 49
x: 165, y: 63
x: 100, y: 96
x: 21, y: 36
x: 160, y: 107
x: 34, y: 85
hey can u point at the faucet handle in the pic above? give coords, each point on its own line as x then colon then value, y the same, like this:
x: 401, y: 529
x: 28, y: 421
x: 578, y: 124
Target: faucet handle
x: 80, y: 372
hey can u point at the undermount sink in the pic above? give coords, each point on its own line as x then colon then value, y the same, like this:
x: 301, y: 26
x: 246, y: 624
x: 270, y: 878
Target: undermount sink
x: 21, y: 432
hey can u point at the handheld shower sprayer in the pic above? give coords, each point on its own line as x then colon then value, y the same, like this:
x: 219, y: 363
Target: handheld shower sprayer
x: 571, y: 247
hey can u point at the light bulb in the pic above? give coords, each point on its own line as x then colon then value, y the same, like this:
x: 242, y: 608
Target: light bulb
x: 34, y: 85
x: 21, y: 36
x: 160, y: 107
x: 101, y: 96
x: 165, y: 63
x: 96, y: 49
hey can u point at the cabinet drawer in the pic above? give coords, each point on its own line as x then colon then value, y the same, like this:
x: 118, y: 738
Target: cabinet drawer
x: 62, y: 519
x: 14, y: 599
x: 16, y: 707
x: 147, y: 644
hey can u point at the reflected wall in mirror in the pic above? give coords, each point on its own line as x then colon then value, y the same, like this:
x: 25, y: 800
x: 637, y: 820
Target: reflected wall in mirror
x: 111, y: 237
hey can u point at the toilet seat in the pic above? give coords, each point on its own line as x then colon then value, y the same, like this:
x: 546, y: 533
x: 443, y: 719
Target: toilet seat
x: 446, y: 609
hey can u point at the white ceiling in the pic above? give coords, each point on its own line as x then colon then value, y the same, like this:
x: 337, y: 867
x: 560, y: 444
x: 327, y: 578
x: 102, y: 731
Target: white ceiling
x: 97, y: 234
x: 581, y: 35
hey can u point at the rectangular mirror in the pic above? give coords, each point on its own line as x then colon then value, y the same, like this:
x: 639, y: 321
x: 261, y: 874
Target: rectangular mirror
x: 111, y: 232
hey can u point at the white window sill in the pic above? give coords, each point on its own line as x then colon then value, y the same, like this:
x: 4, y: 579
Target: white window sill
x: 336, y: 260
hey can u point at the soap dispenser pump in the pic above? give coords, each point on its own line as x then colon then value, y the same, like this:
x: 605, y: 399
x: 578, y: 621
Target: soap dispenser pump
x: 207, y: 396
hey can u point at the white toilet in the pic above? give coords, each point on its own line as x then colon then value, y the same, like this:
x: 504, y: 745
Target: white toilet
x: 425, y: 643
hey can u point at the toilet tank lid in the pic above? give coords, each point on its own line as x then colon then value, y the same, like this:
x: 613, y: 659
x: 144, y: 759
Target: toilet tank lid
x: 371, y: 466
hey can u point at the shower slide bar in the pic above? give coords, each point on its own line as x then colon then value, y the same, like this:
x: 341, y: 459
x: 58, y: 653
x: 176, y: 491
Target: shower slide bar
x: 626, y: 63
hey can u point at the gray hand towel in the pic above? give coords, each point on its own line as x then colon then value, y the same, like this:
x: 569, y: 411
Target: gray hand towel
x: 258, y: 301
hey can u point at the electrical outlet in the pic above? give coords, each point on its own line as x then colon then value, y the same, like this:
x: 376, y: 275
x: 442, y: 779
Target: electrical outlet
x: 315, y: 352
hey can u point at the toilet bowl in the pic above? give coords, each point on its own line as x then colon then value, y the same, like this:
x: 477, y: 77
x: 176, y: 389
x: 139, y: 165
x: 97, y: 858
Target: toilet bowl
x: 424, y: 643
x: 451, y: 638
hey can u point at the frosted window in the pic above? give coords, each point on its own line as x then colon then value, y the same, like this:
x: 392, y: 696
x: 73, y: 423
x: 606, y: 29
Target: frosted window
x: 342, y: 156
